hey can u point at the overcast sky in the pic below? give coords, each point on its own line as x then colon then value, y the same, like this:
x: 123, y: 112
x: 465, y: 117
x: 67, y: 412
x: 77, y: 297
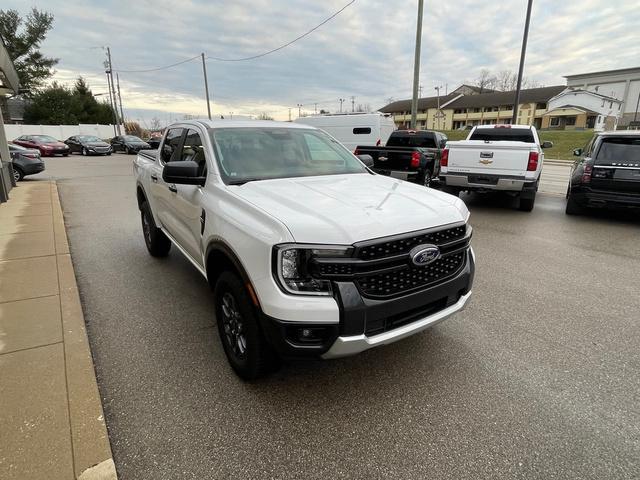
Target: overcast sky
x: 366, y: 51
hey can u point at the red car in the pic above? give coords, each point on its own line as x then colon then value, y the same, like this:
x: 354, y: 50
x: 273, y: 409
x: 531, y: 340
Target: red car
x: 47, y: 145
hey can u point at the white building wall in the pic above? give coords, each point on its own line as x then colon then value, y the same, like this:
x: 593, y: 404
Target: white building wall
x: 591, y: 102
x: 623, y: 85
x: 61, y: 132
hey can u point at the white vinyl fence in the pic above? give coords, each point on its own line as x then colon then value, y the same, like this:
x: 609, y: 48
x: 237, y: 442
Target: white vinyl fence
x: 61, y: 132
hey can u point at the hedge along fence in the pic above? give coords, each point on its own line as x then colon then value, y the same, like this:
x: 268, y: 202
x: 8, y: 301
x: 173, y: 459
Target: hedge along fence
x: 61, y: 132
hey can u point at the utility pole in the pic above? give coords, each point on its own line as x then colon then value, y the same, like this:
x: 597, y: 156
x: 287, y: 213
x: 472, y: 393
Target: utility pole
x: 289, y: 113
x: 119, y: 97
x: 341, y: 100
x: 206, y: 86
x: 113, y: 110
x: 416, y: 66
x: 516, y: 102
x: 353, y: 104
x: 315, y: 108
x: 113, y: 88
x: 299, y: 109
x: 420, y: 91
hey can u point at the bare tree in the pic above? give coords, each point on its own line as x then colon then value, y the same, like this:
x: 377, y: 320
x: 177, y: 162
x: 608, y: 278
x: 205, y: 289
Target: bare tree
x: 264, y: 116
x: 155, y: 124
x: 485, y: 81
x: 507, y: 80
x: 366, y: 107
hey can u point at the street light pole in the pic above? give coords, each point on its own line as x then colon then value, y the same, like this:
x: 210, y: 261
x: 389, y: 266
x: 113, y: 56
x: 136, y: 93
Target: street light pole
x: 416, y: 66
x: 516, y: 102
x: 299, y: 109
x: 438, y: 109
x: 206, y: 86
x: 341, y: 100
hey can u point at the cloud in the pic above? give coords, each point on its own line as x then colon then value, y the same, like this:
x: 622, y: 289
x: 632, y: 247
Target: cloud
x: 366, y: 51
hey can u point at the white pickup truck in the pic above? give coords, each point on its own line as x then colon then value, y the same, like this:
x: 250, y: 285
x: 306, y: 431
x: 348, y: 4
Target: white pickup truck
x: 495, y: 157
x: 307, y: 250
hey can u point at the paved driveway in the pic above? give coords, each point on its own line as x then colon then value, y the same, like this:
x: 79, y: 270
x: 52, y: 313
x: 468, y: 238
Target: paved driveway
x: 538, y: 378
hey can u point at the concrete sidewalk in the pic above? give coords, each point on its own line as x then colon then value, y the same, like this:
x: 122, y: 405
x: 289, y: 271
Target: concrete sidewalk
x: 51, y: 420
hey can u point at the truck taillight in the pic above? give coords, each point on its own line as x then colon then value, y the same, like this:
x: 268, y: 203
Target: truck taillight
x: 415, y: 159
x: 444, y: 158
x: 356, y: 152
x: 586, y: 175
x: 532, y: 166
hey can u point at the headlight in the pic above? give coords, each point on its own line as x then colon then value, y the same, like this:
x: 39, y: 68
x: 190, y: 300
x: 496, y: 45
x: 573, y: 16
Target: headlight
x: 292, y: 267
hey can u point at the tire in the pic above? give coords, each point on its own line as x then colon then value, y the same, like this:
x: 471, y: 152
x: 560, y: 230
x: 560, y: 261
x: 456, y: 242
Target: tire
x: 157, y: 242
x: 573, y: 207
x: 527, y: 203
x: 247, y: 350
x: 84, y: 151
x: 426, y: 179
x: 18, y: 174
x: 108, y: 153
x: 451, y: 190
x: 65, y: 154
x: 127, y: 151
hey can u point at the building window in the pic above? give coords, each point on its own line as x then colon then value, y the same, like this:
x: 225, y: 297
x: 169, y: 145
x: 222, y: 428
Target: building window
x: 555, y: 121
x: 477, y: 110
x: 570, y: 121
x: 541, y: 106
x: 508, y: 107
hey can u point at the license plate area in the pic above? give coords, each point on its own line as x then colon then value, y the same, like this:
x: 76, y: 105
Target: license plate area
x: 626, y: 174
x: 483, y: 179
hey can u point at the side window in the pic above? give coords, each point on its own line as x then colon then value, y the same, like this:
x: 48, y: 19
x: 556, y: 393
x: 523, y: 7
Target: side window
x: 589, y: 148
x: 362, y: 131
x: 193, y: 150
x: 170, y: 146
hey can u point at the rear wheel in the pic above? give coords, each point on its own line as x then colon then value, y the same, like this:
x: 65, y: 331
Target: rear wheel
x: 527, y: 202
x: 126, y: 150
x: 247, y: 350
x: 84, y: 151
x: 451, y: 190
x: 18, y: 174
x: 426, y: 180
x: 573, y: 207
x: 157, y: 242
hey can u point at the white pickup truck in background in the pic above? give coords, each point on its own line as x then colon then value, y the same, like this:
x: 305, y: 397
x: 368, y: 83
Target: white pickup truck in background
x: 495, y: 158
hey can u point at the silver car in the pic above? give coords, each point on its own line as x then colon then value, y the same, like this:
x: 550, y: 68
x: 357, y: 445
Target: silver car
x: 26, y: 161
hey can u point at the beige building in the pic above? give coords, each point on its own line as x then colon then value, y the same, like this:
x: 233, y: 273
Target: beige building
x: 465, y: 106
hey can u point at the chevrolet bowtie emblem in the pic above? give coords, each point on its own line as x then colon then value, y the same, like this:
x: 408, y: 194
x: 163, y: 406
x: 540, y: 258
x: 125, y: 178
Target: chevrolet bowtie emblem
x: 486, y: 161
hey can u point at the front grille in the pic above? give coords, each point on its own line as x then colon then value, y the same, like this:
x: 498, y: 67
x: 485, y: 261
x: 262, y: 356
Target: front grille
x: 384, y: 268
x: 403, y: 245
x: 410, y: 277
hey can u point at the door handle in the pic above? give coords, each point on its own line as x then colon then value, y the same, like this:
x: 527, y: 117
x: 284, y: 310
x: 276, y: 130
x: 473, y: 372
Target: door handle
x: 173, y: 188
x: 154, y: 178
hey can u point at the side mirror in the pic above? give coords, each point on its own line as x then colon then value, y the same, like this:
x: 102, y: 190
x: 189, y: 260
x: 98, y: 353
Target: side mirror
x: 366, y: 159
x: 577, y: 152
x: 547, y: 144
x: 183, y: 173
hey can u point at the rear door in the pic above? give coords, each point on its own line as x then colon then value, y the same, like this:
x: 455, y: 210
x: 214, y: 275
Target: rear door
x: 616, y: 164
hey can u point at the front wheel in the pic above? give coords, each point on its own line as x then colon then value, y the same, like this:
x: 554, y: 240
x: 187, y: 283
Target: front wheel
x: 126, y: 150
x: 247, y: 350
x: 157, y: 242
x: 85, y: 152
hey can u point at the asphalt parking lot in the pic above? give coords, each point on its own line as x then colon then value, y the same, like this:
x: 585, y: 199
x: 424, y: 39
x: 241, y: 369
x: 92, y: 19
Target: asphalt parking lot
x: 539, y: 377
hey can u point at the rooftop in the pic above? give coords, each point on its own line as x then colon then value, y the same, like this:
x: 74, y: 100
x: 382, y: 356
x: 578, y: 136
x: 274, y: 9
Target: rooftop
x: 621, y: 71
x: 529, y: 95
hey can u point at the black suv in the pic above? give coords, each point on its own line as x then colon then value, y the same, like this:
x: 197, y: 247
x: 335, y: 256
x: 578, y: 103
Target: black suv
x: 607, y: 173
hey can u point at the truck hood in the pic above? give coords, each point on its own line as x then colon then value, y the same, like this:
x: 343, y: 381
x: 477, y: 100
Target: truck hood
x: 344, y: 209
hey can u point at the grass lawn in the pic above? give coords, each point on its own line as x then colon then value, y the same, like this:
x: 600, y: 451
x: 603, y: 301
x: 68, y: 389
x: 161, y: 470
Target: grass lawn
x: 564, y: 141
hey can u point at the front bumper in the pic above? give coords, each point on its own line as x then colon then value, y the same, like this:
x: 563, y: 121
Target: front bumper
x: 366, y: 323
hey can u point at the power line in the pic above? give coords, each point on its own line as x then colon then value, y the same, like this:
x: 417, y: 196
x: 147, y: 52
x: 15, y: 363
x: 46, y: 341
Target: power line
x: 286, y: 44
x: 158, y: 68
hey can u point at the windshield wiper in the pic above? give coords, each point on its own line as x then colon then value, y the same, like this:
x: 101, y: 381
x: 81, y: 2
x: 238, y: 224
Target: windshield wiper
x: 244, y: 180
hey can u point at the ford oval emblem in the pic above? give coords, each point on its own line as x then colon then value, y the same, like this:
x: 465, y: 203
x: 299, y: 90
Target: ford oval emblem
x: 424, y: 255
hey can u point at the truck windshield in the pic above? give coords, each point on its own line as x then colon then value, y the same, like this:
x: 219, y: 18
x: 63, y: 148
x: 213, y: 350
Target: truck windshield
x: 503, y: 134
x: 619, y: 150
x: 408, y: 140
x: 248, y: 154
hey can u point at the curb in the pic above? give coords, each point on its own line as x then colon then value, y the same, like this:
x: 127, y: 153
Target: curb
x: 92, y: 455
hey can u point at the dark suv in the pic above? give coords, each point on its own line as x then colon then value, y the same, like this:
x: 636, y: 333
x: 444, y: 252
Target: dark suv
x: 607, y: 175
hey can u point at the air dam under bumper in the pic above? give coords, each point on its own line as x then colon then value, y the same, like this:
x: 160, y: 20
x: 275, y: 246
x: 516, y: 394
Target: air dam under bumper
x: 346, y: 346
